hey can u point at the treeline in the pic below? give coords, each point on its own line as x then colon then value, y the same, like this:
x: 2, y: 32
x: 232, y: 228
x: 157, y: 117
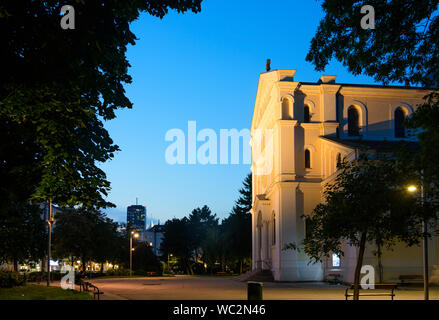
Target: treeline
x: 201, y: 244
x: 79, y: 234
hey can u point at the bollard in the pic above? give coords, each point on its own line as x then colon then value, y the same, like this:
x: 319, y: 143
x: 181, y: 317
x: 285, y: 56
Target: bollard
x: 254, y: 290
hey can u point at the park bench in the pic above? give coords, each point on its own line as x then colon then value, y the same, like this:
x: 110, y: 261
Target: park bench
x: 404, y: 278
x: 377, y: 291
x: 85, y: 286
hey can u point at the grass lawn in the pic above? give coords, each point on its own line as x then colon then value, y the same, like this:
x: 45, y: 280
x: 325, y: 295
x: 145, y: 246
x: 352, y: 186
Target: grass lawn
x: 37, y: 292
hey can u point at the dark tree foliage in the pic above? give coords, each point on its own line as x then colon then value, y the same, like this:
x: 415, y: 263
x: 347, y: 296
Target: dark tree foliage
x: 87, y: 234
x: 237, y: 227
x: 56, y: 88
x: 425, y: 162
x: 22, y: 234
x: 200, y: 240
x: 403, y: 47
x: 144, y: 260
x: 201, y: 220
x: 177, y: 240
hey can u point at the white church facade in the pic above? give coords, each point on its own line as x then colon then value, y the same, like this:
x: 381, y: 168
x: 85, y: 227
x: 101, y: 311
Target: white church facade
x: 311, y: 126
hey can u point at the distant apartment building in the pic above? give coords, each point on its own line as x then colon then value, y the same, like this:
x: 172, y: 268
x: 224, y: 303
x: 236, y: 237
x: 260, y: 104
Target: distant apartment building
x: 136, y: 219
x: 154, y: 237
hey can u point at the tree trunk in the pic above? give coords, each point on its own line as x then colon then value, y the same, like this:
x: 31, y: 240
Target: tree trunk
x: 380, y: 264
x: 358, y: 267
x: 102, y: 268
x: 84, y: 268
x: 240, y: 266
x: 15, y: 264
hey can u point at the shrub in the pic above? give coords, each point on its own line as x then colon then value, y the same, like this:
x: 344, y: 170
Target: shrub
x: 12, y: 279
x: 118, y: 272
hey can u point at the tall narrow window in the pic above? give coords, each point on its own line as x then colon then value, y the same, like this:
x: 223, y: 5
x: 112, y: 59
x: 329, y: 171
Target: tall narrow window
x: 353, y: 122
x: 306, y: 115
x: 335, y: 260
x: 307, y: 159
x: 399, y: 123
x: 287, y: 113
x: 273, y: 242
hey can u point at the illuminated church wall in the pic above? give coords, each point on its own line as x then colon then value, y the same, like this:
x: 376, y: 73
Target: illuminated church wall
x: 310, y: 131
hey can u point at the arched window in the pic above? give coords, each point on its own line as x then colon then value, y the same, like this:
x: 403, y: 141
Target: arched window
x: 306, y: 115
x: 273, y: 242
x: 287, y: 112
x: 307, y: 159
x: 399, y: 123
x: 338, y: 160
x: 353, y: 122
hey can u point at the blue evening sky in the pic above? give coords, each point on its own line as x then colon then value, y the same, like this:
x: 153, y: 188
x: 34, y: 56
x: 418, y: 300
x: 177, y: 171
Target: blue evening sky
x: 202, y: 67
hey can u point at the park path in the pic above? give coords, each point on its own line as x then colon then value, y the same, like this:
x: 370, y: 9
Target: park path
x: 227, y: 288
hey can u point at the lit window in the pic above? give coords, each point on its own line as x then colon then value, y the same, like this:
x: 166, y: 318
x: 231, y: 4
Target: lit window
x: 335, y: 260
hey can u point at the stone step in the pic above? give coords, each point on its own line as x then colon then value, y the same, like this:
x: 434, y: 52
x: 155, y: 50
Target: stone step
x: 257, y: 275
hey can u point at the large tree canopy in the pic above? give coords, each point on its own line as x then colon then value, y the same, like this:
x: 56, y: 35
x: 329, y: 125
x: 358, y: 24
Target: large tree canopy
x: 367, y: 202
x: 403, y: 47
x: 56, y: 88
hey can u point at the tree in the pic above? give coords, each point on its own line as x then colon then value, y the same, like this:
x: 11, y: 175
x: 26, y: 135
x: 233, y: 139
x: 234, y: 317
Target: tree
x: 56, y: 89
x: 366, y: 203
x: 22, y: 234
x: 144, y: 260
x: 402, y: 48
x: 212, y: 248
x: 237, y: 226
x: 178, y: 242
x: 201, y: 222
x: 87, y: 234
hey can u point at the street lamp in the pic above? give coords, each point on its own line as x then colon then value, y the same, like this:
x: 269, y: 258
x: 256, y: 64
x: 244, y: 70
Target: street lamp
x: 132, y: 235
x: 413, y: 189
x: 50, y: 222
x: 169, y: 269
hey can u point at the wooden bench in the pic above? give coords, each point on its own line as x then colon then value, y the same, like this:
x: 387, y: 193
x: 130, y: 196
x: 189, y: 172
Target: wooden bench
x: 369, y: 292
x: 85, y: 286
x: 410, y: 278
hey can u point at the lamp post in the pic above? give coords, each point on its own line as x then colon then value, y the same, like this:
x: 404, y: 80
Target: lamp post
x: 132, y: 235
x: 50, y: 221
x: 169, y: 269
x: 413, y: 189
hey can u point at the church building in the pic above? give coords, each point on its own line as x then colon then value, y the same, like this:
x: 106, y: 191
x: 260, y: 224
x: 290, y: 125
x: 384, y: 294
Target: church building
x: 300, y: 131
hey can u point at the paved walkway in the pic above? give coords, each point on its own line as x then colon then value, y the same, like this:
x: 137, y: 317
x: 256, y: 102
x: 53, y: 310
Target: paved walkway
x: 225, y: 288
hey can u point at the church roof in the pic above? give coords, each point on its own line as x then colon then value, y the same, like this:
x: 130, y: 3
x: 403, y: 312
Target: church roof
x: 376, y: 145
